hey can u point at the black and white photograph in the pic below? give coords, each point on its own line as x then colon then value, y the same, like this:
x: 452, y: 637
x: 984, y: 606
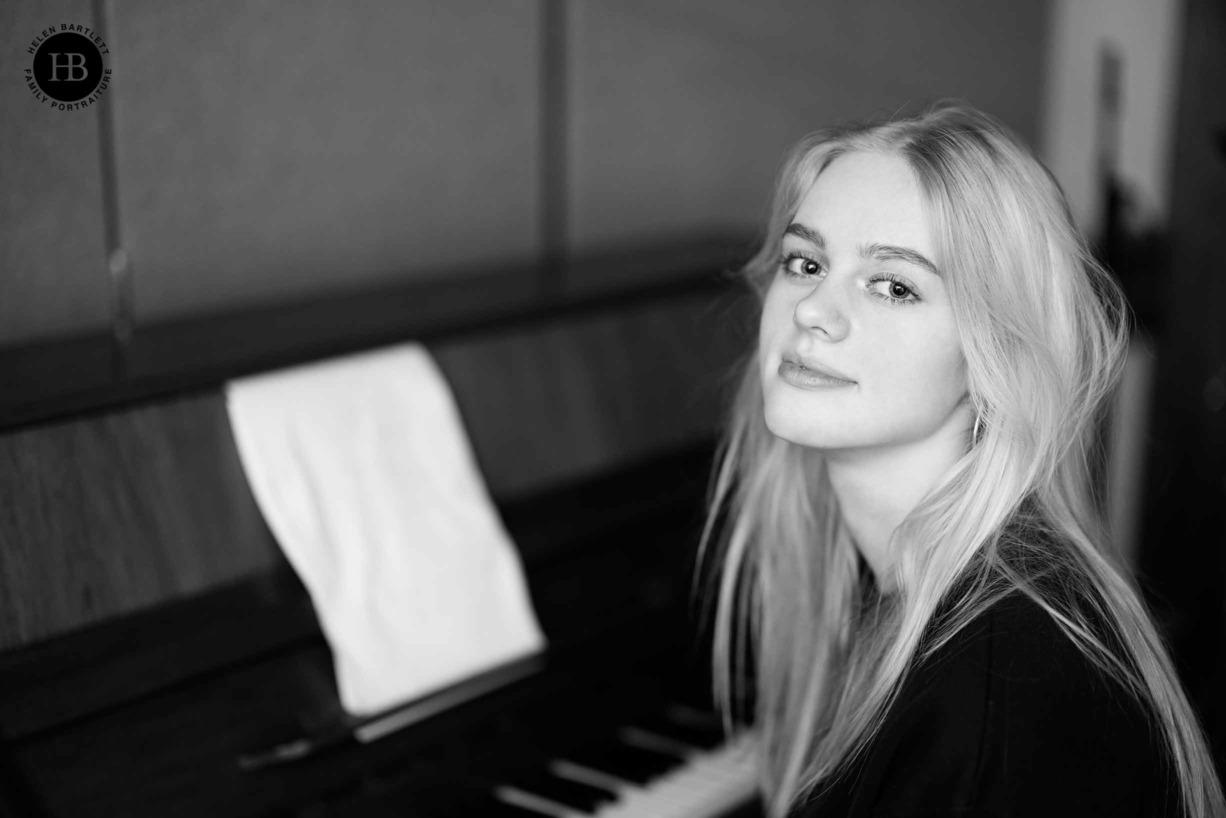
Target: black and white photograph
x: 625, y: 409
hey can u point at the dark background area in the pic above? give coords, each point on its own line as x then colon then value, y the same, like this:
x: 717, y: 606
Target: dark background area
x: 1183, y: 554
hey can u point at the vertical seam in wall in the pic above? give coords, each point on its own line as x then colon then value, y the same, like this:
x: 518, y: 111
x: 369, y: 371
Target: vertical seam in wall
x: 553, y: 143
x: 119, y: 268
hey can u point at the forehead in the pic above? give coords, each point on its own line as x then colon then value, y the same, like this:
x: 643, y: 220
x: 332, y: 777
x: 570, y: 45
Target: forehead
x: 868, y: 198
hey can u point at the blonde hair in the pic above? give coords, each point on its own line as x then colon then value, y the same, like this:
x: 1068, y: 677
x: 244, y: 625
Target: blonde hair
x: 1044, y: 330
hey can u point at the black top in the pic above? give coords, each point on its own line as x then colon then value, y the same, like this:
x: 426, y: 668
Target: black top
x: 1007, y: 719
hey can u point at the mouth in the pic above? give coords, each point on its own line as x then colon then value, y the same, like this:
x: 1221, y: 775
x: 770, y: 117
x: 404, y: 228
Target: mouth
x: 811, y: 368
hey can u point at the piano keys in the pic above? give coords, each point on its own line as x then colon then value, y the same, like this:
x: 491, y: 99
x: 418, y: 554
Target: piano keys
x: 658, y: 759
x: 651, y: 773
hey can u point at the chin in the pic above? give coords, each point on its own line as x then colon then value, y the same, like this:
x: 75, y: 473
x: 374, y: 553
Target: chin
x: 822, y: 431
x: 787, y: 426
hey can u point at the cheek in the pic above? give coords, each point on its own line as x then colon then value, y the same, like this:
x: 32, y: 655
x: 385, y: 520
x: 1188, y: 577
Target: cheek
x: 932, y: 375
x: 776, y: 315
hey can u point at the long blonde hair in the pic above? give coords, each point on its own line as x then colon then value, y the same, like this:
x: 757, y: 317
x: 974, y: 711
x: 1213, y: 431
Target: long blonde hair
x: 1044, y: 330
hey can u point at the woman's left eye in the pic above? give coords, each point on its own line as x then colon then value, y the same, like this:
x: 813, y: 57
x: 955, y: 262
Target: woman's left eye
x: 897, y: 291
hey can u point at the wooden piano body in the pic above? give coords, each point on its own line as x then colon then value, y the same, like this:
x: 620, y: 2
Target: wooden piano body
x: 151, y: 631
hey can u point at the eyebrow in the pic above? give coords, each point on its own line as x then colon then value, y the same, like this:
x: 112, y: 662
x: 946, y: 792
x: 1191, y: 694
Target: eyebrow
x: 882, y: 252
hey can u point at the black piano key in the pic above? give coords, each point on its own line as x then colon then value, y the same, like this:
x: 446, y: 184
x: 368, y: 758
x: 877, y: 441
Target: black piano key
x: 687, y: 727
x: 699, y: 740
x: 700, y: 718
x: 620, y: 760
x: 581, y: 797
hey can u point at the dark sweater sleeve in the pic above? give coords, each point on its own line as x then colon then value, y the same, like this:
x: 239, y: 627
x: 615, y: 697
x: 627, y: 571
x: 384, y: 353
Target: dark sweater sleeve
x: 1008, y: 719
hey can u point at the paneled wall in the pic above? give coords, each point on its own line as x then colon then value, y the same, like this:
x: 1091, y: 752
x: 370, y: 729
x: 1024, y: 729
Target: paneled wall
x: 679, y: 113
x: 275, y: 151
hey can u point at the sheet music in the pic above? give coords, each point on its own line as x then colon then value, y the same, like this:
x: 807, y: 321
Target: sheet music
x: 365, y: 475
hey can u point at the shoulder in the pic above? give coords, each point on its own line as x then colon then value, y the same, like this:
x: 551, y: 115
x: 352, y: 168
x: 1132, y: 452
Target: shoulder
x: 1018, y: 660
x: 1040, y: 690
x: 1010, y: 717
x: 1059, y: 733
x: 1030, y: 660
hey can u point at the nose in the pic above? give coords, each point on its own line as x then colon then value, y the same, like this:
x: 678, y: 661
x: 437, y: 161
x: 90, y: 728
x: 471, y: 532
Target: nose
x: 817, y: 311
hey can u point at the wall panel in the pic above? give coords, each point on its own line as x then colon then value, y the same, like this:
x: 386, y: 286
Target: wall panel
x: 272, y: 151
x: 52, y: 235
x: 680, y: 113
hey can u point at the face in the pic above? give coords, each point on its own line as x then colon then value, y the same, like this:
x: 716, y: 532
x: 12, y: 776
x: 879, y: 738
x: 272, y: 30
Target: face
x: 857, y: 294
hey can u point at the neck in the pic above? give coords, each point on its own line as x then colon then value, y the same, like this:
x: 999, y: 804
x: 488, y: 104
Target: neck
x: 877, y: 488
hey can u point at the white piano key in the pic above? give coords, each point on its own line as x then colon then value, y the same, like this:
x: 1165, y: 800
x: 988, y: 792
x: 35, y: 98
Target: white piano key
x: 705, y: 786
x: 624, y: 790
x: 535, y: 803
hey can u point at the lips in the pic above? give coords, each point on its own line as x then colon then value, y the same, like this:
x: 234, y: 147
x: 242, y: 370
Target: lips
x: 813, y: 366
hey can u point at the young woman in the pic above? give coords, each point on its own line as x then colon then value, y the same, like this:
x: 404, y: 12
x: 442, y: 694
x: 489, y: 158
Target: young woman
x: 913, y: 563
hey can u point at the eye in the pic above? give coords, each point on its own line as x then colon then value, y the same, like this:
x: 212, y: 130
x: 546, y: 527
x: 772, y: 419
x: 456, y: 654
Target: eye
x: 898, y: 290
x: 798, y: 265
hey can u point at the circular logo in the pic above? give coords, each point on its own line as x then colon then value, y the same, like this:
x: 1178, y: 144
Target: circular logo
x: 68, y: 67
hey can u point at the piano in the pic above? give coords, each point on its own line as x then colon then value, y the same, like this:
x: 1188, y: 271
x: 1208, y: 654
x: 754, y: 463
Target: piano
x: 156, y: 649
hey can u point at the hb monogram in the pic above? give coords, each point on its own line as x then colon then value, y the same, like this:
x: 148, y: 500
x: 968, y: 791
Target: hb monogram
x: 68, y: 70
x: 72, y: 64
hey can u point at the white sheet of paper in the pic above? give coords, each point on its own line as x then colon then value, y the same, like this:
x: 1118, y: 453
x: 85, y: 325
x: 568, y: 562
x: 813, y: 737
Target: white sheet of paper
x: 364, y: 473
